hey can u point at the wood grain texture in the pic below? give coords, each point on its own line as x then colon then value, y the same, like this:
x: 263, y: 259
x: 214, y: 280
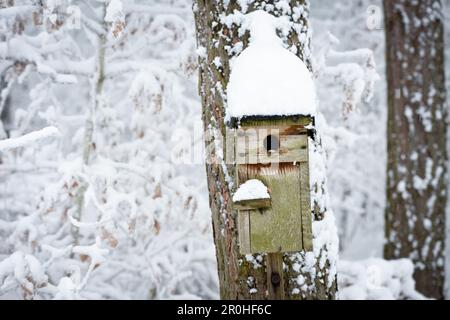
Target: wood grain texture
x: 299, y: 121
x: 255, y: 204
x: 305, y: 206
x: 244, y: 232
x: 278, y: 228
x: 275, y: 279
x: 251, y: 149
x: 244, y: 220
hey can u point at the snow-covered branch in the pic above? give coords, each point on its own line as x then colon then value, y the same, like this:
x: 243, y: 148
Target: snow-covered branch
x: 14, y: 11
x: 28, y: 139
x: 156, y: 9
x: 354, y: 70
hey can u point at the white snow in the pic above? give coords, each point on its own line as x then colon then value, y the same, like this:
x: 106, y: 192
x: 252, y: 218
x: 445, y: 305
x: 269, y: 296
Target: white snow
x: 251, y: 190
x: 267, y: 79
x: 114, y: 11
x: 126, y: 203
x: 27, y: 139
x: 115, y: 16
x: 23, y: 269
x: 377, y: 279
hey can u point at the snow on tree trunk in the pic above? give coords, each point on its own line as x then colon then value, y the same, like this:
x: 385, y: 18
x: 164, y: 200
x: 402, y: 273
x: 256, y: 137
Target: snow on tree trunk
x: 220, y: 39
x: 417, y: 126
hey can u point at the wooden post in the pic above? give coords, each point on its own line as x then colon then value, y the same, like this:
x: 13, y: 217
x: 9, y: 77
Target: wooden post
x: 275, y: 281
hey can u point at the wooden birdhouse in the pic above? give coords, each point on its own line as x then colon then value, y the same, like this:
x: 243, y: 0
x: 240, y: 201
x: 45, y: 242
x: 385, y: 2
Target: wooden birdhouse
x: 271, y: 104
x: 277, y: 216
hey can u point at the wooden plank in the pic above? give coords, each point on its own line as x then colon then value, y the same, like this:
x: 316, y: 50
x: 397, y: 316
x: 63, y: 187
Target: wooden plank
x: 284, y: 130
x: 243, y: 217
x: 252, y: 204
x: 230, y: 146
x: 292, y: 149
x: 305, y: 200
x: 275, y: 276
x: 247, y: 149
x: 300, y: 121
x: 251, y: 149
x: 277, y: 229
x: 244, y: 232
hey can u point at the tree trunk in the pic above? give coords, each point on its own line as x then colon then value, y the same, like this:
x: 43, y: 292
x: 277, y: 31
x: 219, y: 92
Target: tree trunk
x: 306, y: 275
x: 97, y: 85
x: 417, y: 128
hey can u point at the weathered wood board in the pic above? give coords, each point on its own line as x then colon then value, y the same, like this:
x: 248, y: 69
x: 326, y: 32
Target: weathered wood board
x: 275, y: 279
x: 299, y: 122
x: 285, y: 226
x: 244, y: 220
x: 252, y: 204
x: 244, y: 232
x: 277, y: 229
x: 251, y: 148
x: 305, y: 205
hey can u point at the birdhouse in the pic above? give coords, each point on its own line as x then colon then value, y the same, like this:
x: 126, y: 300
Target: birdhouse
x: 271, y: 108
x: 273, y: 198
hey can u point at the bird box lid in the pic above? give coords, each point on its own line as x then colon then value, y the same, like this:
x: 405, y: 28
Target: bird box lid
x: 305, y: 121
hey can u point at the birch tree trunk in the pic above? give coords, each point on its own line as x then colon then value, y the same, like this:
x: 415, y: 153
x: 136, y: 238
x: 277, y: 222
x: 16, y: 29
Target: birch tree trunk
x: 417, y: 128
x: 306, y: 275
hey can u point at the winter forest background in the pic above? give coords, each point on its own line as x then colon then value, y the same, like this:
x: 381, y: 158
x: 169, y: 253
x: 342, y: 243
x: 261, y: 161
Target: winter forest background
x: 113, y: 204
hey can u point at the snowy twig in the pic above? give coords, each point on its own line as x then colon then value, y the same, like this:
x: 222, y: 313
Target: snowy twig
x: 17, y: 10
x: 27, y: 139
x: 155, y: 9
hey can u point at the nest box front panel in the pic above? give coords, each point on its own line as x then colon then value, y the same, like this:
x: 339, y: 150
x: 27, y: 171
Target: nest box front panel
x: 282, y: 165
x: 278, y: 228
x: 267, y: 145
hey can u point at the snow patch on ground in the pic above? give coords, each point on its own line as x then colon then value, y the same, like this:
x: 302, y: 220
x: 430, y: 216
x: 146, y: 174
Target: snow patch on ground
x: 377, y: 279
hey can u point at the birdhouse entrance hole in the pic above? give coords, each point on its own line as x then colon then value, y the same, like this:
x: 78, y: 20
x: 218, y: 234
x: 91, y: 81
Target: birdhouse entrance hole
x: 271, y: 143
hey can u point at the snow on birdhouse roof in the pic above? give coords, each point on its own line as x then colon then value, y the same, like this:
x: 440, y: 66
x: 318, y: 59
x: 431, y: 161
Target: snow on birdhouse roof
x: 267, y: 79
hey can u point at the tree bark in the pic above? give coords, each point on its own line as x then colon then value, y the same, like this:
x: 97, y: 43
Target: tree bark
x: 417, y: 128
x: 306, y: 275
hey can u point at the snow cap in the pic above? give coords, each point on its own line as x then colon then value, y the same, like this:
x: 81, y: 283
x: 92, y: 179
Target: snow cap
x: 251, y: 190
x: 267, y: 79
